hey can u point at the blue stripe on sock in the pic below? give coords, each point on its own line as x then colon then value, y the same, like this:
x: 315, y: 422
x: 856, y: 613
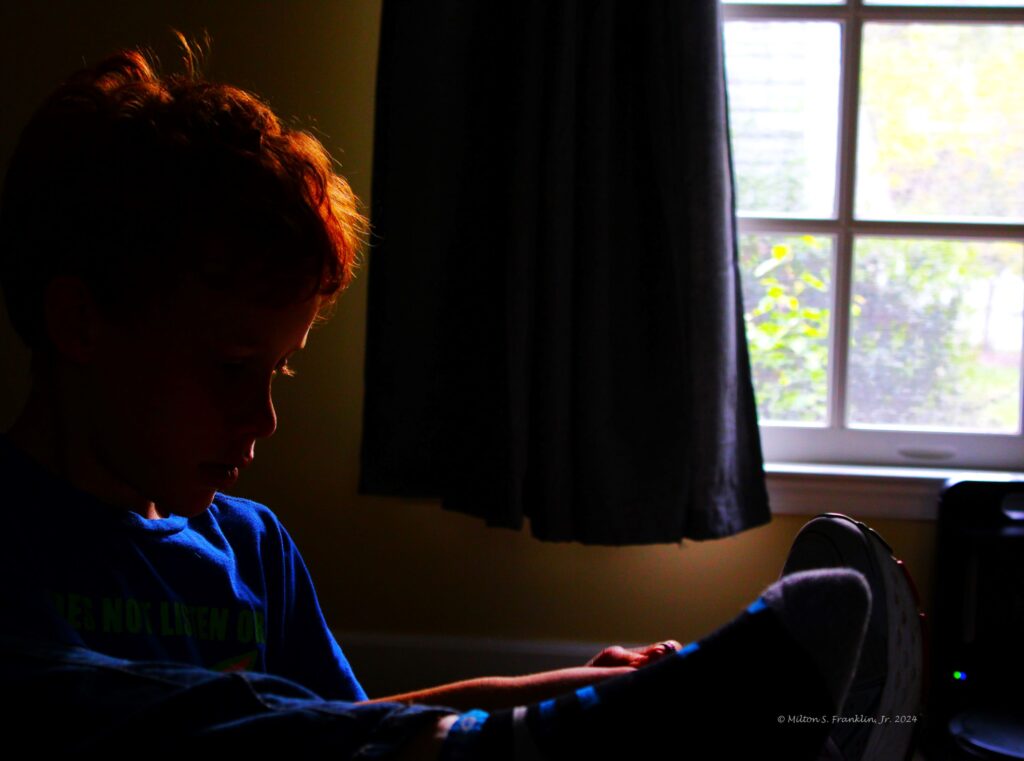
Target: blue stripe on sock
x: 460, y: 742
x: 756, y: 606
x: 588, y: 697
x: 547, y: 709
x: 693, y: 646
x: 470, y: 722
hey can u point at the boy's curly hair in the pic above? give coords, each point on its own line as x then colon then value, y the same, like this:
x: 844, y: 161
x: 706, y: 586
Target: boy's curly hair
x: 128, y: 179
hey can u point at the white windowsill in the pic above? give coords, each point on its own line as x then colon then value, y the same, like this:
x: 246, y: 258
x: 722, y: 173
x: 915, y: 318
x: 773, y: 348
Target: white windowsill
x: 869, y: 491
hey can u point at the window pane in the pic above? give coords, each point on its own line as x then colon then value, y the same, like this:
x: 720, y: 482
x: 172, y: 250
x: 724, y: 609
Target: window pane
x: 941, y: 131
x: 783, y: 82
x: 787, y: 284
x: 936, y: 334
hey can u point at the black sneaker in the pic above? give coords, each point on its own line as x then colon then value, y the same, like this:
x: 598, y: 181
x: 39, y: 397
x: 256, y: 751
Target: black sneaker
x: 881, y: 712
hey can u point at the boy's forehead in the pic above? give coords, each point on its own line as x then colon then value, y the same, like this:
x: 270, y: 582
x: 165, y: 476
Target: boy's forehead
x: 235, y: 318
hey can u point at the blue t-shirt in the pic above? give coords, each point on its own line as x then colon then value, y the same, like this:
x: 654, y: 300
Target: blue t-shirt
x: 225, y: 590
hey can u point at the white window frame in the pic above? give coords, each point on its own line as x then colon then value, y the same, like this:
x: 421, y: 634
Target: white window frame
x: 880, y: 472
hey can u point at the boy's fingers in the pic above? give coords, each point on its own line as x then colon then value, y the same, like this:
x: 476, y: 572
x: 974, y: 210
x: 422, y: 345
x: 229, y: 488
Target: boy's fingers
x: 658, y: 650
x: 635, y: 657
x: 615, y: 656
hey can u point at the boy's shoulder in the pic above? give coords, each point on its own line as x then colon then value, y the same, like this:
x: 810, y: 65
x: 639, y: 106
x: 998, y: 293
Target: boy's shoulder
x: 238, y: 514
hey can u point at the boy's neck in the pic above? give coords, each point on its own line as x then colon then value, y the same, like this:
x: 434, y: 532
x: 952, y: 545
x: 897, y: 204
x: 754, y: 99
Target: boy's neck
x: 46, y: 431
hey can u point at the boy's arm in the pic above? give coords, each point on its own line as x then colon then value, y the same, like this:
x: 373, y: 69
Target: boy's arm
x: 497, y: 692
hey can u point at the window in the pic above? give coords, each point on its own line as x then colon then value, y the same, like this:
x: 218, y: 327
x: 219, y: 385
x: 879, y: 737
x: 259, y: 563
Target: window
x: 879, y: 158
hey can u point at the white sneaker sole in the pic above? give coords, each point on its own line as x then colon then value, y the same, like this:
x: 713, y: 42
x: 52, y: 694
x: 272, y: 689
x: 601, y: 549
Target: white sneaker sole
x: 892, y: 735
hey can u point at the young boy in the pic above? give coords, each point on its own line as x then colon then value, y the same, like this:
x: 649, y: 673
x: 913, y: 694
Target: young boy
x: 166, y: 246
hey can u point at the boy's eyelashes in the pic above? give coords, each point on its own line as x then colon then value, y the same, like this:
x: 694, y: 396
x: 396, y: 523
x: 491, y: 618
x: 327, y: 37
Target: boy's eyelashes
x: 237, y: 366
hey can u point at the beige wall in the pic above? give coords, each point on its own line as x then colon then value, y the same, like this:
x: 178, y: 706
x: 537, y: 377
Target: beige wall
x: 387, y: 564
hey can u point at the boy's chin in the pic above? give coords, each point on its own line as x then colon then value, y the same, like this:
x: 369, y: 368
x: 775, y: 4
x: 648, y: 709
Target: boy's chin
x: 189, y: 506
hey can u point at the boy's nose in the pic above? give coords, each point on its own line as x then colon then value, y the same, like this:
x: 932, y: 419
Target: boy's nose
x: 258, y: 418
x: 266, y: 422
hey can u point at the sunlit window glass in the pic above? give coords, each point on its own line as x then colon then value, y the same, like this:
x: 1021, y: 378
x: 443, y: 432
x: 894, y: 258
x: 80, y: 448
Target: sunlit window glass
x: 787, y: 292
x: 941, y: 128
x: 936, y: 334
x: 783, y: 80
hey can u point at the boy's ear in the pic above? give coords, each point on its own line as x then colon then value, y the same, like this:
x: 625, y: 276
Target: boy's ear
x: 71, y: 318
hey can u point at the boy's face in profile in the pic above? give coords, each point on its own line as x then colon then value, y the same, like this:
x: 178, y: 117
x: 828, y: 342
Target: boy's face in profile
x: 175, y: 400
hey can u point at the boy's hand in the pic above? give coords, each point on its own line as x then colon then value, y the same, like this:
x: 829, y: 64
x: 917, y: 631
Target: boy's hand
x: 634, y: 657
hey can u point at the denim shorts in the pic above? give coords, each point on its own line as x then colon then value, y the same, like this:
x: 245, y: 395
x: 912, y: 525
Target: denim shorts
x: 70, y: 699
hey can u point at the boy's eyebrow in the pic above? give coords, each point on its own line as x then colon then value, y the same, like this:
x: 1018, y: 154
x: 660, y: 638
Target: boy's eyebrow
x: 244, y: 347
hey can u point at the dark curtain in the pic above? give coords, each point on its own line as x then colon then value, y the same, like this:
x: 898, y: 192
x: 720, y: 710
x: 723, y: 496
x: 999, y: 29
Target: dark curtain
x: 555, y: 327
